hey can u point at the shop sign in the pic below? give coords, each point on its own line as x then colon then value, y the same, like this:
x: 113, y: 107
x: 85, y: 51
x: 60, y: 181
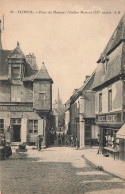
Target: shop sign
x: 111, y: 118
x: 101, y: 118
x: 107, y: 118
x: 89, y: 121
x: 15, y: 108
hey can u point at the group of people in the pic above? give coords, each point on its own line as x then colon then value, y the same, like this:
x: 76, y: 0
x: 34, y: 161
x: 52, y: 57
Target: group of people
x: 62, y: 139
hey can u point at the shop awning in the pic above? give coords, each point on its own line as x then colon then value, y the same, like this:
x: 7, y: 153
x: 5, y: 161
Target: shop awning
x: 121, y: 132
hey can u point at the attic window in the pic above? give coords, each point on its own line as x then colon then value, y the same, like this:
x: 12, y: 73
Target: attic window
x: 15, y: 72
x: 104, y: 68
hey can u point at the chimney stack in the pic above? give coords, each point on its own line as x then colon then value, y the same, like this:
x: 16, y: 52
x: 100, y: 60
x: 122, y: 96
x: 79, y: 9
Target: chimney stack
x: 75, y: 90
x: 86, y: 78
x: 32, y: 60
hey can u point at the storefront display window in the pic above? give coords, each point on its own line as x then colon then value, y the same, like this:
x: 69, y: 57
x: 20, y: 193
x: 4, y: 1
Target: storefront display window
x: 111, y: 140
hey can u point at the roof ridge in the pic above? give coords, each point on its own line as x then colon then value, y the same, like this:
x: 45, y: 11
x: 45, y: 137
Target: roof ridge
x: 117, y: 36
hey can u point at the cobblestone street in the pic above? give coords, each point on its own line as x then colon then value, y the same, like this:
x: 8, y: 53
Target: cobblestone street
x: 55, y: 170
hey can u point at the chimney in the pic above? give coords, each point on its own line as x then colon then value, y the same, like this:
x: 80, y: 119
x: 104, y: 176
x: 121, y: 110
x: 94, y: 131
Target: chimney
x: 75, y: 90
x: 86, y: 78
x: 32, y: 60
x: 0, y: 36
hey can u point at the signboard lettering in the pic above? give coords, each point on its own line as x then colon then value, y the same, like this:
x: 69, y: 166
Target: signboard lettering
x: 15, y: 108
x: 107, y: 118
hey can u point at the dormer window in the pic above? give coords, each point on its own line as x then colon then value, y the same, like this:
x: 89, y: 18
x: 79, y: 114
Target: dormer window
x: 16, y: 72
x: 104, y: 61
x: 104, y: 68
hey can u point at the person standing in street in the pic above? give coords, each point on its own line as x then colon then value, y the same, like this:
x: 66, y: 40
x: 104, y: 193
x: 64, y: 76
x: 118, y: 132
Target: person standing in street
x: 39, y: 142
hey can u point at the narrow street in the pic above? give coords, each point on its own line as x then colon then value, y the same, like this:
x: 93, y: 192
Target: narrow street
x: 55, y: 170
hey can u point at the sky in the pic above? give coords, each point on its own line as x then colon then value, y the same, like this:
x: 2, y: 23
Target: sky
x: 67, y: 35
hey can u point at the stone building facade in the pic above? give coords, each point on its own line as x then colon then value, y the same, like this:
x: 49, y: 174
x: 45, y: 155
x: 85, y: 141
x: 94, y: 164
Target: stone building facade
x: 82, y: 114
x: 109, y: 88
x: 25, y: 97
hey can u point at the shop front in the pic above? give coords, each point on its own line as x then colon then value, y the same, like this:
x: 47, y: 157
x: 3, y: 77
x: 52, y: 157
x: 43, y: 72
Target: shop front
x: 108, y: 143
x: 91, y: 132
x: 23, y: 126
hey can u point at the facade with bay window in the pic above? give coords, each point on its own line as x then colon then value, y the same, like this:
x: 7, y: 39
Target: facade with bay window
x: 25, y: 97
x: 109, y: 88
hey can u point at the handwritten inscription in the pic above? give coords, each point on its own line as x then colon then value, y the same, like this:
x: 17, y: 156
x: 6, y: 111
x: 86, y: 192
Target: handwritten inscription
x: 74, y: 12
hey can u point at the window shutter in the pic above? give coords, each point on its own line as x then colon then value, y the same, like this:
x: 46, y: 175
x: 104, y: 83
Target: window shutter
x: 40, y: 127
x: 24, y: 130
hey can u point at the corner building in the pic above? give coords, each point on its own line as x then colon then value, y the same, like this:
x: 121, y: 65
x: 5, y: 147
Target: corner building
x: 25, y: 97
x: 109, y: 88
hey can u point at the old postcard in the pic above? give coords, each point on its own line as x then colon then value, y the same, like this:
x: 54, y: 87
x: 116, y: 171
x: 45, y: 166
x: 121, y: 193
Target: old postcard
x: 62, y: 96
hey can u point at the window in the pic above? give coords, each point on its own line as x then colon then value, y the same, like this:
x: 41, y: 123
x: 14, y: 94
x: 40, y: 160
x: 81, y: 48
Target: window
x: 16, y: 121
x: 42, y: 96
x: 1, y: 125
x: 100, y: 102
x: 104, y: 67
x: 15, y: 72
x: 110, y: 100
x: 33, y: 126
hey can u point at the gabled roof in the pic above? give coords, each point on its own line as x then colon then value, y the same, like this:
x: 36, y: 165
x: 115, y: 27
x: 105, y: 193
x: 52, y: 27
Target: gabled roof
x: 117, y: 37
x: 30, y: 73
x: 86, y: 86
x: 17, y: 52
x: 42, y: 74
x: 115, y: 65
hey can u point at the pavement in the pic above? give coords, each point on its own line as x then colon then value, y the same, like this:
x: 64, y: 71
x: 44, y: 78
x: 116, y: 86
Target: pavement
x: 55, y: 170
x: 115, y: 167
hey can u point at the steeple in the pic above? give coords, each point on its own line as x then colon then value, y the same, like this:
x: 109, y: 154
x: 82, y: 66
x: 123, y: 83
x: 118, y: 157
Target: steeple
x: 0, y: 36
x: 58, y: 98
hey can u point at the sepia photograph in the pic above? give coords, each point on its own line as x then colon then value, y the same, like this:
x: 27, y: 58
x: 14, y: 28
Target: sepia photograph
x: 62, y: 96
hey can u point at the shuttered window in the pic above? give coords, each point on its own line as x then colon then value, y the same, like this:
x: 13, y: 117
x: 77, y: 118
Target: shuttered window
x: 33, y: 126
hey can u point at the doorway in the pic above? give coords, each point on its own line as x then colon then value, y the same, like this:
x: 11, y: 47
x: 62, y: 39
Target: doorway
x: 87, y: 134
x: 16, y: 133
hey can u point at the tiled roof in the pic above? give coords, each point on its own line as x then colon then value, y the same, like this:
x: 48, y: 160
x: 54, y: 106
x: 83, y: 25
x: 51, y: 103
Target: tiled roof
x: 114, y: 67
x: 30, y: 73
x: 86, y: 86
x: 116, y: 38
x: 17, y: 52
x: 115, y: 50
x: 3, y: 63
x: 42, y: 74
x: 57, y: 111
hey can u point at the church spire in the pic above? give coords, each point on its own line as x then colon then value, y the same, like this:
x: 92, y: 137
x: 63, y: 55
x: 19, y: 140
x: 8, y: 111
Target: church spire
x: 58, y: 98
x: 0, y: 36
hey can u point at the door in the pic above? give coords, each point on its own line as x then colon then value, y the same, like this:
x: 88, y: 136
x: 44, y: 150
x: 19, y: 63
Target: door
x: 87, y: 134
x: 16, y: 133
